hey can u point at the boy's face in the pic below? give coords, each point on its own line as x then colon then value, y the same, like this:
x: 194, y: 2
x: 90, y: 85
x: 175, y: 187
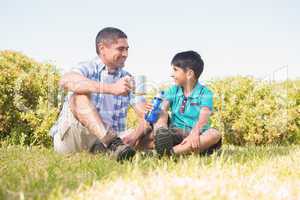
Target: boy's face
x: 180, y: 76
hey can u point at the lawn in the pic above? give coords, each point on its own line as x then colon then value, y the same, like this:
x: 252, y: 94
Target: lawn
x: 270, y: 172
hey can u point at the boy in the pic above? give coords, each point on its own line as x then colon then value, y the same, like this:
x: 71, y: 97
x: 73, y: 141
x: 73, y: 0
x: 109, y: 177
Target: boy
x: 191, y: 105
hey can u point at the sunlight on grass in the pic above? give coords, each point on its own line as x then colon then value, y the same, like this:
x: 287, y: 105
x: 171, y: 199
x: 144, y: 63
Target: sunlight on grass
x: 271, y: 172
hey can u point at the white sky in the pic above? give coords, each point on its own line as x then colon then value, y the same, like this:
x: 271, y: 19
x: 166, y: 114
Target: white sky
x: 257, y: 38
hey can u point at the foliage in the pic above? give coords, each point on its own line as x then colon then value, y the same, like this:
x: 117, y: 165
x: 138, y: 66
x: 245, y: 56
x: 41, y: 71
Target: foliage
x: 28, y: 99
x: 246, y: 110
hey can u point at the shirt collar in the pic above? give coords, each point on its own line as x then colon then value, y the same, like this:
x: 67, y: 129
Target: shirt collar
x: 102, y: 67
x: 194, y: 93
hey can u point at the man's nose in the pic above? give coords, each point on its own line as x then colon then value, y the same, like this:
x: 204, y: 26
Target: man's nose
x: 125, y: 53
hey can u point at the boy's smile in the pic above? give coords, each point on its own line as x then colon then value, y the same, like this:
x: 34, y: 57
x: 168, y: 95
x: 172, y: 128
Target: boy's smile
x: 179, y: 75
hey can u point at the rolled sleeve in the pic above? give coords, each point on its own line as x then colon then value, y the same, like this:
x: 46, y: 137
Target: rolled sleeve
x: 83, y: 69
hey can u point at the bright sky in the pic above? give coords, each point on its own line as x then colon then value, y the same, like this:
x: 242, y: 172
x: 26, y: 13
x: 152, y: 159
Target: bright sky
x: 260, y: 38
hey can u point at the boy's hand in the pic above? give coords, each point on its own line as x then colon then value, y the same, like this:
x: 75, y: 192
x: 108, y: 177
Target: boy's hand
x: 148, y: 107
x: 195, y: 140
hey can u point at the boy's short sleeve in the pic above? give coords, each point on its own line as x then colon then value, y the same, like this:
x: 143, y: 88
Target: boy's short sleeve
x: 207, y: 99
x: 170, y: 93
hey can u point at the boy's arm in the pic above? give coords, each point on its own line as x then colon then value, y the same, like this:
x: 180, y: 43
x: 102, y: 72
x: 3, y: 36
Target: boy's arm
x: 203, y: 119
x: 143, y: 125
x: 195, y: 132
x: 163, y: 117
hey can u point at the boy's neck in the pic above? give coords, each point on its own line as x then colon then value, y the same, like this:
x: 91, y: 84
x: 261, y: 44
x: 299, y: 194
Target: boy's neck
x: 188, y: 87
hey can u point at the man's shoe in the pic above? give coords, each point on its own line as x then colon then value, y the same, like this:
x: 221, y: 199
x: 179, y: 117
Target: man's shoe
x: 98, y: 147
x: 120, y: 150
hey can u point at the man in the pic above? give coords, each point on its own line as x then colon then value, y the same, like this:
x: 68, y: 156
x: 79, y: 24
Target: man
x: 99, y: 94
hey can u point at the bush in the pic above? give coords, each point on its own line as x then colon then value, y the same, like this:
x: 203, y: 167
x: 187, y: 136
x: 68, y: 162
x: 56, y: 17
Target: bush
x: 249, y: 111
x: 246, y: 110
x: 28, y: 103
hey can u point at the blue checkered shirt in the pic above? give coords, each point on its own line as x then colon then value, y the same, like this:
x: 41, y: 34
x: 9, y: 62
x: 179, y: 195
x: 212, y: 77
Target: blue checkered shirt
x: 112, y: 109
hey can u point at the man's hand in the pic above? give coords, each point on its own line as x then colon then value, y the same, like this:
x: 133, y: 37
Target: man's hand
x: 121, y: 87
x: 130, y: 139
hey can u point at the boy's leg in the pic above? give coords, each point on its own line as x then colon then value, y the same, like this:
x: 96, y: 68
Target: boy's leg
x: 207, y: 139
x: 147, y: 142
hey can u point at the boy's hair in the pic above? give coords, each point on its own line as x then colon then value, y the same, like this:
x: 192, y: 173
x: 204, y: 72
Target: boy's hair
x: 109, y: 35
x: 189, y: 60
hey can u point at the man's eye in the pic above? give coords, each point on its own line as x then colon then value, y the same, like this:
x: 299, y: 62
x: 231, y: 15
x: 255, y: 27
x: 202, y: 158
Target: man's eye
x: 123, y: 49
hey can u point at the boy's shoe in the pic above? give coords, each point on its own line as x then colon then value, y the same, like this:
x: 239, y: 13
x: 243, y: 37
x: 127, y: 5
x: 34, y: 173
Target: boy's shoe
x: 214, y: 148
x: 163, y: 142
x: 120, y: 150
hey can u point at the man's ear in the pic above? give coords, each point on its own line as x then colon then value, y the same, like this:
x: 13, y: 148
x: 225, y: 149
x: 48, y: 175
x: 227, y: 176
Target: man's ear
x: 100, y: 47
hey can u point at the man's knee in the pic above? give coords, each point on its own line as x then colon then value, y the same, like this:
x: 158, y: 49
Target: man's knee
x: 80, y: 104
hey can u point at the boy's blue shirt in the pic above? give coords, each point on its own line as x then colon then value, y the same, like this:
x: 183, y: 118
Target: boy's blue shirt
x: 201, y: 96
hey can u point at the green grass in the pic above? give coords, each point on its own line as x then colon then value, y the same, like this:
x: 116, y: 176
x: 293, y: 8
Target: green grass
x: 271, y: 172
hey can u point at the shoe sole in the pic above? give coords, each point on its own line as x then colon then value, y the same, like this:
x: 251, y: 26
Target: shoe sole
x: 163, y: 143
x: 126, y: 154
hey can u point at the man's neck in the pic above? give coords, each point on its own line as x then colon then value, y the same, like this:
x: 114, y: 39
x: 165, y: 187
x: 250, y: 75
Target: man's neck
x: 110, y: 69
x: 188, y: 87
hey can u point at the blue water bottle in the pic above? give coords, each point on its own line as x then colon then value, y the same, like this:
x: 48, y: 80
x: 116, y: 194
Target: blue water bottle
x: 152, y: 116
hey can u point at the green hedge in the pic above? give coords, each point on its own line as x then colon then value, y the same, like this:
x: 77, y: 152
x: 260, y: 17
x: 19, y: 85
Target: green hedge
x: 246, y: 110
x: 28, y: 99
x: 249, y: 111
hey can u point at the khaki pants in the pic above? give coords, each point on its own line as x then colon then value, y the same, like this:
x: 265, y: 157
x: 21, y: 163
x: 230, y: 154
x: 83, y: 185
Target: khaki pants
x: 73, y: 137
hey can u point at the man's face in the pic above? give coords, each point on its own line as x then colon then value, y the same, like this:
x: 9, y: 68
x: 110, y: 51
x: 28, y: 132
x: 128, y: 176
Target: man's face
x: 115, y: 54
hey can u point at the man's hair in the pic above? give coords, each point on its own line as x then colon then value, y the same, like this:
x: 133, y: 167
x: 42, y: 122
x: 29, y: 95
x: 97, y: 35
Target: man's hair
x: 109, y: 35
x: 189, y: 60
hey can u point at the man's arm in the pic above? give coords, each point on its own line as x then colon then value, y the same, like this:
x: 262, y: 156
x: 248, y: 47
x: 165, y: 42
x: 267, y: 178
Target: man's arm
x: 142, y: 127
x: 78, y: 83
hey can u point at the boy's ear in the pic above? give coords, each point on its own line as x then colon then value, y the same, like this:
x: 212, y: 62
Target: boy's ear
x: 190, y: 74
